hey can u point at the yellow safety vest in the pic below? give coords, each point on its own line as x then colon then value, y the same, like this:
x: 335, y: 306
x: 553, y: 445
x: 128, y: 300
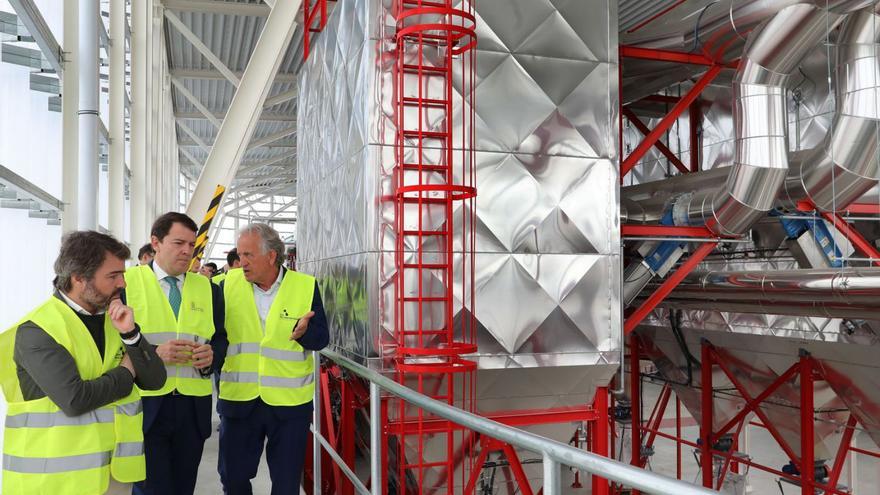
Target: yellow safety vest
x: 218, y: 278
x: 266, y: 363
x: 45, y: 451
x: 195, y: 321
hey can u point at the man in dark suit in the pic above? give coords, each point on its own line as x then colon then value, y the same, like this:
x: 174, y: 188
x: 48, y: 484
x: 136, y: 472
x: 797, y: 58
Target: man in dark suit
x: 182, y: 312
x: 274, y: 317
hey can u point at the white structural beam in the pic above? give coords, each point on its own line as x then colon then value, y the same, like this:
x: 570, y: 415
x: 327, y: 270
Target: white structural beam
x: 189, y: 156
x: 140, y: 73
x: 271, y: 138
x: 280, y: 98
x: 266, y: 181
x: 33, y: 21
x: 247, y: 105
x: 195, y: 137
x: 264, y: 163
x: 201, y: 47
x: 116, y: 165
x: 282, y: 209
x: 214, y: 74
x: 69, y: 118
x: 219, y: 7
x: 265, y: 117
x: 195, y: 102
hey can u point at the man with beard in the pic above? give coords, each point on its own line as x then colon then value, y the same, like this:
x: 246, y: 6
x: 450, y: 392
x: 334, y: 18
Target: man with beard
x: 181, y: 312
x: 68, y: 372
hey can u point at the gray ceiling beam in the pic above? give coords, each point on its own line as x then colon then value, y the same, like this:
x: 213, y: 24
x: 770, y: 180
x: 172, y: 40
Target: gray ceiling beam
x: 30, y: 16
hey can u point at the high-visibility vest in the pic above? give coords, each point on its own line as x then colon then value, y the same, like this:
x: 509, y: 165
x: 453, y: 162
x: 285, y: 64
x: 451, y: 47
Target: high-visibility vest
x: 47, y: 452
x: 267, y: 364
x: 216, y: 279
x: 195, y: 322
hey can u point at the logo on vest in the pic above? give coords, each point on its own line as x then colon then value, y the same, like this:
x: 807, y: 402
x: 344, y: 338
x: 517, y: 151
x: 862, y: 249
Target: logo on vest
x: 286, y: 316
x: 193, y: 307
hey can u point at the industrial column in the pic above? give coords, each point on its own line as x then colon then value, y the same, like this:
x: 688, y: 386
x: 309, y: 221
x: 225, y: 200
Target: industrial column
x: 69, y: 117
x: 116, y: 183
x: 87, y: 176
x: 140, y: 19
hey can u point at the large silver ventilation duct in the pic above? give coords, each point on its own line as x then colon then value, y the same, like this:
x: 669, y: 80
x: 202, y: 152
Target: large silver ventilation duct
x: 845, y: 166
x: 774, y: 51
x: 841, y: 293
x: 717, y: 28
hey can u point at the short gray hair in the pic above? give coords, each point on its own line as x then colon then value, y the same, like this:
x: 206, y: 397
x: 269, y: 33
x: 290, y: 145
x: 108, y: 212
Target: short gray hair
x: 271, y: 241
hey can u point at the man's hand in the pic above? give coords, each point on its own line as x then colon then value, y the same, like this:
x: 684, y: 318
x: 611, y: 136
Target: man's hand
x: 176, y: 351
x: 126, y: 363
x: 202, y: 356
x: 121, y: 316
x: 301, y: 326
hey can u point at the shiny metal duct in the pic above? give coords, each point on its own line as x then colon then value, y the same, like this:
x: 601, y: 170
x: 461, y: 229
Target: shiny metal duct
x: 845, y: 293
x: 718, y: 28
x: 774, y: 51
x: 761, y: 155
x: 846, y: 165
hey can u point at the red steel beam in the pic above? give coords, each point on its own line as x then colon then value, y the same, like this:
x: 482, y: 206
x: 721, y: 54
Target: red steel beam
x: 695, y: 117
x: 627, y: 51
x: 638, y: 124
x: 752, y: 404
x: 864, y: 208
x: 677, y: 110
x: 657, y: 417
x: 667, y: 286
x: 842, y: 451
x: 636, y: 230
x: 718, y: 359
x: 707, y: 413
x: 635, y: 403
x: 855, y: 237
x: 661, y: 99
x: 807, y: 426
x: 599, y: 437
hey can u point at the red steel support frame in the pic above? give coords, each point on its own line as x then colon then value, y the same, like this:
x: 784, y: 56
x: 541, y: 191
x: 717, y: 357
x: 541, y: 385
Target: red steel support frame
x: 668, y: 285
x: 807, y: 463
x: 667, y: 121
x: 310, y: 15
x: 707, y: 415
x: 635, y: 382
x: 859, y: 242
x: 637, y: 122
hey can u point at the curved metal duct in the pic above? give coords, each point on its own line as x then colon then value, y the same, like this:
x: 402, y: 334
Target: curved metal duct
x: 847, y: 293
x: 845, y: 166
x: 717, y: 28
x: 761, y: 152
x: 774, y: 51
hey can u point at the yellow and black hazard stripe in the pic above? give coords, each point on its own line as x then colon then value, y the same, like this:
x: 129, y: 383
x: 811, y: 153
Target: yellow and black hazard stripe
x: 202, y: 236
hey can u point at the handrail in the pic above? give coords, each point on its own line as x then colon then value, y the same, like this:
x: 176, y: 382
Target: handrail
x: 554, y: 453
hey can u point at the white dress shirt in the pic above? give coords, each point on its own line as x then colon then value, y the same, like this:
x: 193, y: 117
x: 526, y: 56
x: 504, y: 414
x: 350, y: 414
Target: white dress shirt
x: 79, y: 309
x: 163, y: 284
x: 264, y: 298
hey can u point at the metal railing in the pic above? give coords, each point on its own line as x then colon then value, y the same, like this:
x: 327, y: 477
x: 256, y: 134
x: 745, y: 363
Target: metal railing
x: 555, y: 454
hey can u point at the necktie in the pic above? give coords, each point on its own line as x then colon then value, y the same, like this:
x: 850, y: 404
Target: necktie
x: 173, y: 294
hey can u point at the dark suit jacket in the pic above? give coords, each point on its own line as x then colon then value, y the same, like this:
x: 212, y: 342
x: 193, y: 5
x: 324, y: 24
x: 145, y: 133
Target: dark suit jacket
x: 203, y: 404
x: 316, y: 338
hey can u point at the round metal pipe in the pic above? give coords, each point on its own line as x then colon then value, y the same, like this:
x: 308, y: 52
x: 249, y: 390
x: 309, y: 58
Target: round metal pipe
x: 87, y: 169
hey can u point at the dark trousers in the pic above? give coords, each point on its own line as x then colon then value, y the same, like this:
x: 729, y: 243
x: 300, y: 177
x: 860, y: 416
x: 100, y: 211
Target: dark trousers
x: 241, y: 446
x: 173, y: 447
